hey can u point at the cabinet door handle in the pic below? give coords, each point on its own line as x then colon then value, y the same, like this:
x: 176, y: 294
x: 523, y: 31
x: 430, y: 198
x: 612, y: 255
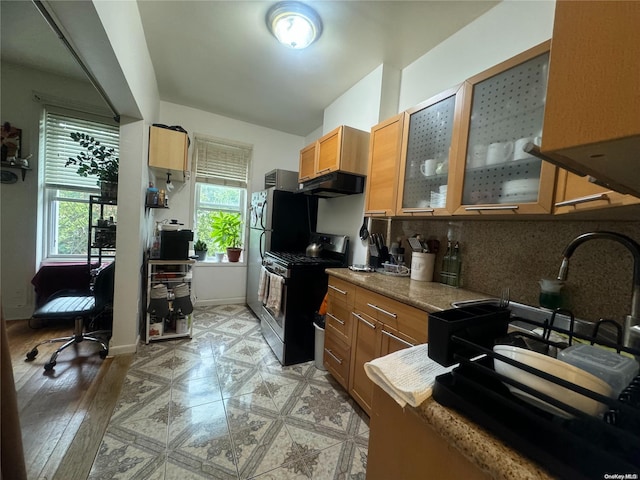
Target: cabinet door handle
x: 363, y: 320
x: 588, y: 198
x: 305, y: 177
x: 397, y: 338
x: 329, y: 352
x: 392, y: 315
x: 336, y: 319
x: 375, y: 212
x: 337, y: 289
x: 325, y: 170
x: 418, y: 210
x: 496, y: 207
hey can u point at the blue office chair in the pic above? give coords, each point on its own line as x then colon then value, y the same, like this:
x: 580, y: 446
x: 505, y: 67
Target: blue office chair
x: 82, y: 307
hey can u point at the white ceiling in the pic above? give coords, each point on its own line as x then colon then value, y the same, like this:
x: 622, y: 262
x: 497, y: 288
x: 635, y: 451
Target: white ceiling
x: 218, y: 56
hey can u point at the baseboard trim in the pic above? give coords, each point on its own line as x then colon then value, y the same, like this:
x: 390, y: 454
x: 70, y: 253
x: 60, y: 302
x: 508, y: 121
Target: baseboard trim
x: 224, y: 301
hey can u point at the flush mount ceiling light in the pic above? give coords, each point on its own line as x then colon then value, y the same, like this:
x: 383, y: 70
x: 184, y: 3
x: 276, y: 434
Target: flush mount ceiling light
x: 294, y: 24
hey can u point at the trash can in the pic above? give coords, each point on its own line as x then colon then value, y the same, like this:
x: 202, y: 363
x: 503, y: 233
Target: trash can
x: 318, y: 325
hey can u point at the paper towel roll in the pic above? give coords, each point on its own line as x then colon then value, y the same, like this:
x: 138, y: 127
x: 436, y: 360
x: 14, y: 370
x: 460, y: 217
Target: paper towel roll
x: 422, y: 266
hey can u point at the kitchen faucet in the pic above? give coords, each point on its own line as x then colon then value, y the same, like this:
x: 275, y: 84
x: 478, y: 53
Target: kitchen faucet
x: 632, y: 320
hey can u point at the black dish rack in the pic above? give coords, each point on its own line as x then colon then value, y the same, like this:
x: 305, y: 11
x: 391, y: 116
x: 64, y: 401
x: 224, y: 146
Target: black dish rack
x: 580, y: 447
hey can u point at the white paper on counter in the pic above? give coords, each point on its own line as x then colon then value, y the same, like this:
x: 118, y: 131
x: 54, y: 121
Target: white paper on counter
x: 406, y: 375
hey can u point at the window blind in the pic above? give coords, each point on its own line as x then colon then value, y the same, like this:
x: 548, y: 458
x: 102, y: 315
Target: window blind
x: 222, y: 162
x: 59, y: 146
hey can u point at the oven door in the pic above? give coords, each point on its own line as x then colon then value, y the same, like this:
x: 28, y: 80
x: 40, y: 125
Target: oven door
x: 277, y: 320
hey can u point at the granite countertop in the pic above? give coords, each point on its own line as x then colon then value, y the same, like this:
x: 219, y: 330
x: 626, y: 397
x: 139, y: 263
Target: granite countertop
x: 427, y: 296
x: 480, y: 447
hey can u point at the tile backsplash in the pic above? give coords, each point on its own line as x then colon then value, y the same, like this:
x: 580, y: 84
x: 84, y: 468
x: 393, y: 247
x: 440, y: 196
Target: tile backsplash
x: 517, y: 254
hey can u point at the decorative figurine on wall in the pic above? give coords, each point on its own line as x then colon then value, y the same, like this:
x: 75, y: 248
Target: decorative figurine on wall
x: 11, y: 137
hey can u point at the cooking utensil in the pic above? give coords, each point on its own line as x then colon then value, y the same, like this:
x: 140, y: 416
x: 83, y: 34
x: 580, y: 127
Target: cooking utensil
x: 364, y: 233
x: 415, y: 244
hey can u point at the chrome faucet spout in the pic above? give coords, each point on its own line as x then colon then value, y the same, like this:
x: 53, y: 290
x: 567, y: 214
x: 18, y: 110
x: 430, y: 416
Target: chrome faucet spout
x: 633, y: 319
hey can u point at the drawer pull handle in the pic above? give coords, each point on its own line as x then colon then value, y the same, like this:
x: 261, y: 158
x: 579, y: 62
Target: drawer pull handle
x: 363, y: 320
x: 329, y: 352
x: 588, y: 198
x: 337, y: 289
x: 392, y: 315
x: 397, y: 338
x: 497, y: 207
x: 336, y: 319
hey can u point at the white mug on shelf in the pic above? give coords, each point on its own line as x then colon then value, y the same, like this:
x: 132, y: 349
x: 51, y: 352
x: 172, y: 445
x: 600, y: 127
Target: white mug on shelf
x: 518, y: 150
x: 477, y: 156
x: 428, y: 167
x: 499, y: 152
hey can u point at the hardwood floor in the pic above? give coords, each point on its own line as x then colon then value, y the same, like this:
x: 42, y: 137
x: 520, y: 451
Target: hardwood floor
x: 63, y: 413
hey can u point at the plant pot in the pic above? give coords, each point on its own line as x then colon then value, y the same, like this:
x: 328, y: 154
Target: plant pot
x: 233, y: 254
x: 219, y: 257
x: 201, y: 254
x: 108, y: 189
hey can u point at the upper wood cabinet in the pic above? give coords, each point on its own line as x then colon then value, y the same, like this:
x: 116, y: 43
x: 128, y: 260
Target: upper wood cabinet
x: 168, y: 149
x: 429, y: 152
x: 344, y: 149
x: 592, y: 116
x: 385, y: 151
x: 579, y: 194
x: 503, y: 111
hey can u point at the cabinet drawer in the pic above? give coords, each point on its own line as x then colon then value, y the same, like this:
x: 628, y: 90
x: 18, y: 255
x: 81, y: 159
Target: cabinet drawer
x: 377, y: 306
x: 341, y: 290
x: 336, y: 358
x: 339, y: 320
x: 405, y: 319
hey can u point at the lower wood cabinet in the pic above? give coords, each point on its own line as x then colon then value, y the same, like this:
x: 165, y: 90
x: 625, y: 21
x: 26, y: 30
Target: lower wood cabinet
x: 403, y: 446
x: 362, y: 325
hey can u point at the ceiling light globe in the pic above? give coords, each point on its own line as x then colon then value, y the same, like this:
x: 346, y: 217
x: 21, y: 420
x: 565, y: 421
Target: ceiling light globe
x: 294, y: 24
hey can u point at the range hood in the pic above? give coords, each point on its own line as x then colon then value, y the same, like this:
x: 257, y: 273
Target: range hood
x: 334, y: 184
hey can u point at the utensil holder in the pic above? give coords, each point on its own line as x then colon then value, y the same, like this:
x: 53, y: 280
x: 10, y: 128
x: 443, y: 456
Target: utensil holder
x: 480, y: 324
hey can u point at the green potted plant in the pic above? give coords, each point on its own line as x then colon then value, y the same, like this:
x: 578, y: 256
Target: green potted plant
x: 96, y: 160
x: 226, y: 232
x: 200, y: 248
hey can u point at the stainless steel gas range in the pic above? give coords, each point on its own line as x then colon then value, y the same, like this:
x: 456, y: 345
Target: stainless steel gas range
x: 301, y: 284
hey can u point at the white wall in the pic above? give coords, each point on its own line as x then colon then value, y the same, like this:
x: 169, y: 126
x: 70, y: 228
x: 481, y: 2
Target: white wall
x: 219, y: 284
x: 18, y: 263
x: 504, y: 31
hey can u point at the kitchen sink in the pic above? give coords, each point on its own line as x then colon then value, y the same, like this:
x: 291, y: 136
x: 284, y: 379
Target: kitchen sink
x: 520, y: 313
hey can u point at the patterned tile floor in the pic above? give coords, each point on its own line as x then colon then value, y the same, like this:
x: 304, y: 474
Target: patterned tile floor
x: 220, y: 406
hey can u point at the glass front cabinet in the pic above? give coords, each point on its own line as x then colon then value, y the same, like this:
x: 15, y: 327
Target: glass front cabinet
x: 503, y: 111
x: 429, y: 139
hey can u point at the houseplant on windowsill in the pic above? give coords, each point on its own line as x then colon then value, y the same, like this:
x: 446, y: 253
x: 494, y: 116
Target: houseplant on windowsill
x: 226, y: 232
x: 200, y: 248
x: 97, y: 160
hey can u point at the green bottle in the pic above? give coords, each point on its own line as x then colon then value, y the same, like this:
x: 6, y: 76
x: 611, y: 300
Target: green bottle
x: 455, y: 266
x: 446, y: 266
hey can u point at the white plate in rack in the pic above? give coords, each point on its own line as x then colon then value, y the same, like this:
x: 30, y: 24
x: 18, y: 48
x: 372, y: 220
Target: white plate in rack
x: 556, y: 368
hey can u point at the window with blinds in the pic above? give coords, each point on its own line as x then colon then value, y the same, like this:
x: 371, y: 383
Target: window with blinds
x: 58, y: 147
x: 222, y: 162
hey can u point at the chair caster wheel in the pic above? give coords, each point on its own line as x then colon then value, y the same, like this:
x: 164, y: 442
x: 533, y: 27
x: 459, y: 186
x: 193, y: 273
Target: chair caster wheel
x: 103, y: 354
x: 49, y: 366
x: 32, y: 354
